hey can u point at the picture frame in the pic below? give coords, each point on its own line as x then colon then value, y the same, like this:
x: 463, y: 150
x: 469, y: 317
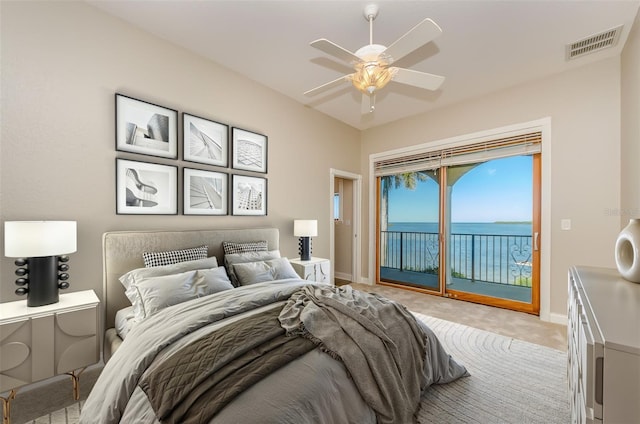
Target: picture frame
x: 145, y: 188
x: 205, y: 141
x: 249, y: 150
x: 205, y: 192
x: 249, y: 195
x: 146, y: 128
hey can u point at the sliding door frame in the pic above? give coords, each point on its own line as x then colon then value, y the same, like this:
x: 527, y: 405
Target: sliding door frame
x: 534, y: 306
x: 542, y: 125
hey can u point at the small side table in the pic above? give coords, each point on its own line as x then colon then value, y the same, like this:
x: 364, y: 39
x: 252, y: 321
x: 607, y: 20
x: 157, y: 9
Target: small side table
x: 315, y: 269
x: 40, y: 342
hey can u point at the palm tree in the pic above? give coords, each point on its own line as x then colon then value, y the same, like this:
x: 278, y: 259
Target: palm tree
x: 407, y: 180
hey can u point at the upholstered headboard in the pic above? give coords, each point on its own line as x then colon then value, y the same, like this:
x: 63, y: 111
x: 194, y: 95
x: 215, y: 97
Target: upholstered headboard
x: 122, y: 251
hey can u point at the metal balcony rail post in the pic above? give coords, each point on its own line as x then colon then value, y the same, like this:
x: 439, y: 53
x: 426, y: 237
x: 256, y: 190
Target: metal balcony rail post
x: 401, y: 252
x: 473, y: 257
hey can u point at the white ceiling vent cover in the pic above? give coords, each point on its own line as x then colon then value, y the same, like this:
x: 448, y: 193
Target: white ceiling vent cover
x: 594, y: 43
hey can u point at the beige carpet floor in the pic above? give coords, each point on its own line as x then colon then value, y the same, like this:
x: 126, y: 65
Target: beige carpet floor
x: 518, y: 325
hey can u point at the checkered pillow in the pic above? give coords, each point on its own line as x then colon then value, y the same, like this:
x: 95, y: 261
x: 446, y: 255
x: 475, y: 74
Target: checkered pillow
x: 252, y: 246
x: 152, y: 259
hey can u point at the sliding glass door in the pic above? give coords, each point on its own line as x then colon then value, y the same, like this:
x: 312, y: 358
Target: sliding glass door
x: 409, y: 244
x: 491, y: 238
x: 467, y: 231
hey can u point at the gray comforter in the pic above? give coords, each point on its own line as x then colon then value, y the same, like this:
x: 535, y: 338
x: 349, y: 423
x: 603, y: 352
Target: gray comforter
x: 313, y: 388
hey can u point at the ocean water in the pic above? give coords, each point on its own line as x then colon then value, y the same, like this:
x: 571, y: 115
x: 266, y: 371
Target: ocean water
x: 496, y: 252
x: 499, y: 228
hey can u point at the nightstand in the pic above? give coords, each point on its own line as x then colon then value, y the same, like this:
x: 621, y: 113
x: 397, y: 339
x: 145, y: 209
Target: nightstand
x: 315, y: 269
x: 40, y: 342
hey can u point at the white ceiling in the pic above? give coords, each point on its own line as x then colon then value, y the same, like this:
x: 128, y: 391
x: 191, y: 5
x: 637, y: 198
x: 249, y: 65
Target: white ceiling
x: 485, y: 45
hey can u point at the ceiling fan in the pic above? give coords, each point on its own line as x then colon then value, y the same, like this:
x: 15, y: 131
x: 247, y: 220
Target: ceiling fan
x: 372, y: 63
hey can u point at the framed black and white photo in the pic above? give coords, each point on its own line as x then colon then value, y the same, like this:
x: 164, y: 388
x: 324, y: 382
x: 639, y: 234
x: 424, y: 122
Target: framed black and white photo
x: 249, y: 150
x: 144, y: 188
x: 249, y: 195
x: 146, y: 128
x: 205, y: 141
x: 205, y: 192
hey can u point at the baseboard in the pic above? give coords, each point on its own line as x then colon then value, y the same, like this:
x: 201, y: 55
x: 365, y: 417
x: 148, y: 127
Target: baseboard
x: 558, y: 318
x: 342, y: 276
x: 365, y: 280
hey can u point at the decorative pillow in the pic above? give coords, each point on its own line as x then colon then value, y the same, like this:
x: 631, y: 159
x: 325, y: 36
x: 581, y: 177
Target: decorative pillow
x: 152, y: 259
x: 149, y: 295
x: 260, y: 271
x: 238, y: 258
x: 214, y: 280
x: 132, y: 276
x: 252, y: 246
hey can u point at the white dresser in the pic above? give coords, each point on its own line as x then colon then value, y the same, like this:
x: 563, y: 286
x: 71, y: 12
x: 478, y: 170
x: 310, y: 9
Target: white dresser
x: 603, y: 347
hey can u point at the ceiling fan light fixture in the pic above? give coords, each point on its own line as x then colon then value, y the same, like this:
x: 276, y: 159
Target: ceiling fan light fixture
x: 371, y: 76
x: 373, y: 63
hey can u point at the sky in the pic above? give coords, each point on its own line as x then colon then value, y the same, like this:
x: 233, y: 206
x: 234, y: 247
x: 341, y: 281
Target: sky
x: 498, y: 190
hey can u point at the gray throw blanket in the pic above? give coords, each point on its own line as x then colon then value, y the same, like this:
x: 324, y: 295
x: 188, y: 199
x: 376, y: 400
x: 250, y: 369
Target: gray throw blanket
x: 377, y: 339
x: 196, y: 382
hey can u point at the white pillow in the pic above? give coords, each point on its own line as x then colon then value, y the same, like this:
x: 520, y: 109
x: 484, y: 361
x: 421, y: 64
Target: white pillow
x: 140, y: 273
x: 149, y: 295
x: 260, y: 271
x: 124, y: 320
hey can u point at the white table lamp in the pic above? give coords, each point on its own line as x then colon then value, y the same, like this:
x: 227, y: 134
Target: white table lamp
x: 41, y: 247
x: 305, y: 229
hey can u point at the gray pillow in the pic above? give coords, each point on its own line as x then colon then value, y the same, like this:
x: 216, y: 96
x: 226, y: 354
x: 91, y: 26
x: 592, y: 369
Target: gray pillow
x: 240, y: 258
x: 139, y: 273
x: 261, y: 271
x: 215, y: 280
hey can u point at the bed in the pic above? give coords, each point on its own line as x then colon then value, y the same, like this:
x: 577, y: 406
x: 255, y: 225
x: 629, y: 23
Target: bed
x: 255, y: 344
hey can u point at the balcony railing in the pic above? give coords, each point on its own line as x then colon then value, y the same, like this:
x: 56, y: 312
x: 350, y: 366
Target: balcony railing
x: 501, y: 259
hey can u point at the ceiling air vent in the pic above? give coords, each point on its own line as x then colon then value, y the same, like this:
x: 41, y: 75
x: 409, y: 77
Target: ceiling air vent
x: 594, y: 43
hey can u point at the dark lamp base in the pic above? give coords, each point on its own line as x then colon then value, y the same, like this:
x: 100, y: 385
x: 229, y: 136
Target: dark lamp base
x: 304, y: 248
x: 40, y: 279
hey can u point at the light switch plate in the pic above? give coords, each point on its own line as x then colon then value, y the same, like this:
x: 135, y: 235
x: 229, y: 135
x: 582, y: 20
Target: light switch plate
x: 565, y: 224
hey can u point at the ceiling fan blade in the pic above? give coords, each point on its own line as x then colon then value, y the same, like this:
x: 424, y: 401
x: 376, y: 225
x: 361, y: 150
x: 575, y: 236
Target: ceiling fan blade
x: 335, y: 50
x: 327, y: 86
x: 417, y: 78
x: 417, y: 36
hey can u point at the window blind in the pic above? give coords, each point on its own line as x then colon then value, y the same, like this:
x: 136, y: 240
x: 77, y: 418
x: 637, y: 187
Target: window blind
x: 475, y: 152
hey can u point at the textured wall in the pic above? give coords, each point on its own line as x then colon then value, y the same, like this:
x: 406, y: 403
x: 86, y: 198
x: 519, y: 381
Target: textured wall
x: 630, y: 147
x: 62, y: 62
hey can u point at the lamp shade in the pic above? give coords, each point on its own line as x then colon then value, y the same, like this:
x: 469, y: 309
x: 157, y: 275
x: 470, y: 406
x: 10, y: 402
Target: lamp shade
x: 305, y: 227
x: 23, y: 239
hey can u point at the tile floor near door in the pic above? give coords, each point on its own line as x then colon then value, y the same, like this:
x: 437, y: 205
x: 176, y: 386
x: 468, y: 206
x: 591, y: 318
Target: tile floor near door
x: 518, y: 325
